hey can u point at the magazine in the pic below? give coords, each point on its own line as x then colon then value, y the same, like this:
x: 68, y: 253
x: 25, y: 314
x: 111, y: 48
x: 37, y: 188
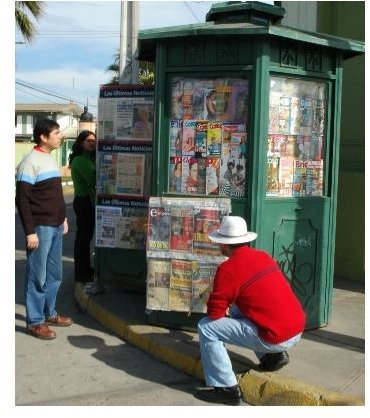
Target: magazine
x: 286, y: 170
x: 229, y: 129
x: 203, y: 276
x: 131, y: 229
x: 214, y: 138
x: 188, y: 137
x: 175, y: 174
x: 158, y: 283
x: 181, y: 233
x: 201, y: 138
x: 206, y: 220
x: 176, y: 138
x: 189, y: 175
x: 180, y: 285
x: 272, y: 180
x: 233, y: 177
x: 202, y: 175
x: 314, y: 178
x: 212, y: 173
x: 299, y: 178
x: 159, y: 220
x: 306, y: 116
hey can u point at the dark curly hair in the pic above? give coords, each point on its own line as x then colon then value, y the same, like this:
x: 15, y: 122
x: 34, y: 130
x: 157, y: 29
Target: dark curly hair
x: 77, y: 146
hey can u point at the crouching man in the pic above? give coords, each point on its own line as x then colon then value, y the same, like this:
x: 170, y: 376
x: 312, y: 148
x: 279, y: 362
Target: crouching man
x: 251, y: 305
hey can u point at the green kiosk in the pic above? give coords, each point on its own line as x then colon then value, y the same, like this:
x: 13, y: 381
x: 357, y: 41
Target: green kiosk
x: 249, y: 110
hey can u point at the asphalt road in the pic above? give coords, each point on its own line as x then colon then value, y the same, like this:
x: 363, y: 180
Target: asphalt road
x: 86, y: 364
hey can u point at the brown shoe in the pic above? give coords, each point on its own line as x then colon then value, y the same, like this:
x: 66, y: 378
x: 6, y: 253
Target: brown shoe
x: 59, y: 321
x: 41, y: 331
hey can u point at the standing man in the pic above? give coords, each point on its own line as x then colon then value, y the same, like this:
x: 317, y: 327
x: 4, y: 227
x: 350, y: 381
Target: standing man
x: 265, y: 315
x: 41, y: 207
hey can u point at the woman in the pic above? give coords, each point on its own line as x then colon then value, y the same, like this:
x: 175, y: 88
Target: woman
x: 82, y: 164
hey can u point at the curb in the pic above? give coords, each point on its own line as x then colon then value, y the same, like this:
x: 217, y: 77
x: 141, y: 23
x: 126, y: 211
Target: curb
x: 263, y: 389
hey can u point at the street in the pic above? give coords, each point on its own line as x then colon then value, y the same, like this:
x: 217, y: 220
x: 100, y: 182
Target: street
x: 86, y: 364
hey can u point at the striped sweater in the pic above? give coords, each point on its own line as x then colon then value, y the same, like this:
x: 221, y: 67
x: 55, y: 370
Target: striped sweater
x: 39, y: 194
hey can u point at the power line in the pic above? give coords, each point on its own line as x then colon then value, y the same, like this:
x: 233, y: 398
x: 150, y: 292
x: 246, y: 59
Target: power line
x: 49, y: 92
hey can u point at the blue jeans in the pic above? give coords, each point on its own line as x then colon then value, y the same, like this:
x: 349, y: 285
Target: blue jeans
x: 43, y: 274
x: 237, y: 330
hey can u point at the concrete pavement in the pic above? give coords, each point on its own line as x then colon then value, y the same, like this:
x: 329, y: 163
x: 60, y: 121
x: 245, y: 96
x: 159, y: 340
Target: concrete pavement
x: 327, y: 366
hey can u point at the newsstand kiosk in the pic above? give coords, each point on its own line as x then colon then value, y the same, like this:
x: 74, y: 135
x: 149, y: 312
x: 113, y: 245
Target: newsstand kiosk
x: 247, y: 116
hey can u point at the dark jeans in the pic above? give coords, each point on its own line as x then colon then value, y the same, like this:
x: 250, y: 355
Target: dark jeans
x: 85, y: 222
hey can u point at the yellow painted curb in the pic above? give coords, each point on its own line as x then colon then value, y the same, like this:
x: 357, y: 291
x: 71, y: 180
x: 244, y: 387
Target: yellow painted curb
x: 264, y: 389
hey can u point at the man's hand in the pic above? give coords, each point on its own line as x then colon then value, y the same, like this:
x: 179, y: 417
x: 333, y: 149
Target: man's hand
x: 32, y: 241
x: 65, y: 226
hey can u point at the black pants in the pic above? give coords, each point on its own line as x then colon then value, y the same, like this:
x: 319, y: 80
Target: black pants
x: 85, y: 223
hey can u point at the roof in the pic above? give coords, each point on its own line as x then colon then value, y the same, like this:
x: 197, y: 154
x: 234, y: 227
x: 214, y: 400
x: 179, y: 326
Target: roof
x: 67, y: 109
x: 148, y: 38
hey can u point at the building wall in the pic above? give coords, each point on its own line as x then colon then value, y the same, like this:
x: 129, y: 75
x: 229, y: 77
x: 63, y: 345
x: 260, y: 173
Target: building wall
x: 347, y: 19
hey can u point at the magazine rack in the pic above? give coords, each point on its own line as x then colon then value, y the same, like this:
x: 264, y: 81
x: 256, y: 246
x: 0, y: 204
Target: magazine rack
x: 248, y: 109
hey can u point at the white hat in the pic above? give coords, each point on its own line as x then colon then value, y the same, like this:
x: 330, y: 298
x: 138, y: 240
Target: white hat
x: 233, y: 230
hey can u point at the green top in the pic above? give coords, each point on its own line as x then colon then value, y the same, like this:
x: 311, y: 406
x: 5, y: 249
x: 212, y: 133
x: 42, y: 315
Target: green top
x: 83, y: 173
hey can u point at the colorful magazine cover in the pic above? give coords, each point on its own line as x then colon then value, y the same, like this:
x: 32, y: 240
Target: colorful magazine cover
x: 233, y: 177
x: 206, y: 220
x: 175, y: 138
x: 314, y: 178
x: 212, y: 173
x: 202, y: 175
x: 182, y: 229
x: 284, y: 115
x: 190, y: 168
x: 299, y: 178
x: 188, y: 137
x: 175, y: 174
x: 201, y: 138
x: 272, y: 180
x: 203, y: 276
x: 306, y: 116
x: 214, y: 138
x: 180, y: 292
x: 158, y: 284
x: 286, y: 170
x: 159, y: 222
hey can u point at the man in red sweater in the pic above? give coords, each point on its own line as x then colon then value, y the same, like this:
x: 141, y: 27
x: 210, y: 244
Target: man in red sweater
x: 251, y: 305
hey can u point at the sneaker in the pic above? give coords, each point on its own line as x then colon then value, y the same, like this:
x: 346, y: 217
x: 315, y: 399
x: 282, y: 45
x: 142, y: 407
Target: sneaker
x: 274, y: 361
x: 41, y: 331
x: 59, y: 321
x: 224, y: 395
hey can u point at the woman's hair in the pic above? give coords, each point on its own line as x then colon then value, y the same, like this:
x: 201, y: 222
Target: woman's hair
x: 77, y: 146
x: 43, y: 127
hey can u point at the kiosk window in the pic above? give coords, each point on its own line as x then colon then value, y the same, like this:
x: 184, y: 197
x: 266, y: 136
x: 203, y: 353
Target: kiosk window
x: 296, y: 135
x: 208, y: 136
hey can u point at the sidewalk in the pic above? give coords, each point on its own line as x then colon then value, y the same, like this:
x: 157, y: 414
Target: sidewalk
x: 327, y: 366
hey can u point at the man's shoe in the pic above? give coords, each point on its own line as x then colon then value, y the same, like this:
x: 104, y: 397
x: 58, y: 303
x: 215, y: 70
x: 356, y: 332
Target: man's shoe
x: 41, y: 331
x: 59, y: 321
x: 223, y: 395
x: 274, y: 361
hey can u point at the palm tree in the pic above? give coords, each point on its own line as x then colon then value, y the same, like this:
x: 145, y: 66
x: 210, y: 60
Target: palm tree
x: 146, y: 71
x: 23, y: 11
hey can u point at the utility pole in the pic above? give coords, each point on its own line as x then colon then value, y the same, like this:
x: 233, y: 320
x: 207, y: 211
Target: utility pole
x: 129, y: 65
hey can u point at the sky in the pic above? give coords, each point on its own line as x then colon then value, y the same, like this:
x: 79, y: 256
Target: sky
x: 77, y: 40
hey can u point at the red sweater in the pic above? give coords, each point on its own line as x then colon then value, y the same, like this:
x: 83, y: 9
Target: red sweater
x: 252, y: 280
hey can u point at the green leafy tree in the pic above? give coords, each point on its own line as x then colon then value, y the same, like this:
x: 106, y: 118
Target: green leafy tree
x: 146, y: 71
x: 25, y: 12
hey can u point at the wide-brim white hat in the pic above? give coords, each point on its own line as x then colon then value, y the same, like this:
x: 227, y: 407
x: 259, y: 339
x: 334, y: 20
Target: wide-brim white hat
x: 233, y: 230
